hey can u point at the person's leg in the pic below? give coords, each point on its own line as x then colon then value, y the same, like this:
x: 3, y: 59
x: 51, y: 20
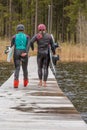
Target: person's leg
x: 45, y: 68
x: 25, y: 70
x: 16, y: 73
x: 40, y: 64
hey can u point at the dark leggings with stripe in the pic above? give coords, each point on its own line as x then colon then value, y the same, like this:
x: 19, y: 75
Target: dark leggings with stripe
x: 17, y: 62
x: 43, y: 61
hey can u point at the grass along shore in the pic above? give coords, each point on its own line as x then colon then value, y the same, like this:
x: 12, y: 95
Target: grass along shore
x: 3, y: 44
x: 67, y: 52
x: 71, y: 52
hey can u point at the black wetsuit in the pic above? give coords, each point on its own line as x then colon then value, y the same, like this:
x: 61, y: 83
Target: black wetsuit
x: 44, y: 40
x: 18, y: 59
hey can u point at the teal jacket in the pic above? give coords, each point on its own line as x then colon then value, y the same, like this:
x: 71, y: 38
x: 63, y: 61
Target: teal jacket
x: 20, y: 41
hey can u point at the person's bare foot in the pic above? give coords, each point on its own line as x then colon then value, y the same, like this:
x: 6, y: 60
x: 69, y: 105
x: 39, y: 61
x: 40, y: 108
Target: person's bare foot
x: 40, y: 83
x: 44, y: 84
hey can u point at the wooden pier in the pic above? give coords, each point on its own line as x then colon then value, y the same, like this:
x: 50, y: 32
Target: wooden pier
x: 37, y: 108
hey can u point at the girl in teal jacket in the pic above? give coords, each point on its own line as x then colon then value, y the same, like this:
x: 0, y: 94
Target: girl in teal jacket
x: 20, y: 41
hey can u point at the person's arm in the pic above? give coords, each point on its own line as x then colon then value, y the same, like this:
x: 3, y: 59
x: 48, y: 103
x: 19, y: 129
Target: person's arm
x: 13, y: 41
x: 34, y: 38
x: 27, y: 47
x: 28, y: 44
x: 52, y: 45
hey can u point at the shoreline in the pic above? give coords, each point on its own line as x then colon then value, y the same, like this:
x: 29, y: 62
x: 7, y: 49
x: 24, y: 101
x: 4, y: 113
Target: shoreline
x: 67, y: 52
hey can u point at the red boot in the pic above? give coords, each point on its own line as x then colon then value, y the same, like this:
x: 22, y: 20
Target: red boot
x: 16, y: 83
x: 25, y: 82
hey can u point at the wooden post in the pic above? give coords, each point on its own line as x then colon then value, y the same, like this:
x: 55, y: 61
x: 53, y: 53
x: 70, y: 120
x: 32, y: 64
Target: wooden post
x: 80, y: 30
x: 36, y: 15
x: 10, y: 18
x: 49, y: 18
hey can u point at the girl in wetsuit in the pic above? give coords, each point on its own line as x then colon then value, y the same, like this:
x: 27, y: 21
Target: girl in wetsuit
x: 20, y: 41
x: 44, y: 40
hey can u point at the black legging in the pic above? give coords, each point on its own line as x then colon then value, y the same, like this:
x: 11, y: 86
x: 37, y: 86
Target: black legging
x: 43, y: 64
x: 17, y: 61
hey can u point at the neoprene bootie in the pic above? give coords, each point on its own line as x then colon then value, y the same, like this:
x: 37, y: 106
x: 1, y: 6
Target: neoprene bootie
x: 16, y: 83
x: 26, y: 82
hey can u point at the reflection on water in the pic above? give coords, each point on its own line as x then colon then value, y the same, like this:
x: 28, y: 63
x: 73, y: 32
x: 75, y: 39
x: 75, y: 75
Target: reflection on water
x: 6, y: 69
x: 72, y: 79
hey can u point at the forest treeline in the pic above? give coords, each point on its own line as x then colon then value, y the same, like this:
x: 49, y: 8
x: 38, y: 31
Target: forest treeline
x: 66, y: 19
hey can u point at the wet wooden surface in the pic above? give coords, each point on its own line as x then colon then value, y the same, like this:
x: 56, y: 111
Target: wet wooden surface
x: 37, y: 108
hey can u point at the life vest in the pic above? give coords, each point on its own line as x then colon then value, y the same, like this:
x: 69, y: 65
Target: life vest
x: 20, y: 41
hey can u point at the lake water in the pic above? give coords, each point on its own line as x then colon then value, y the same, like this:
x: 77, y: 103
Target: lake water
x: 71, y: 77
x: 6, y: 69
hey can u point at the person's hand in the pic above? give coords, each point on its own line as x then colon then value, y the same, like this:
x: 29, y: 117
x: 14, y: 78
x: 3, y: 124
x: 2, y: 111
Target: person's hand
x: 23, y: 54
x: 29, y: 55
x: 35, y: 50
